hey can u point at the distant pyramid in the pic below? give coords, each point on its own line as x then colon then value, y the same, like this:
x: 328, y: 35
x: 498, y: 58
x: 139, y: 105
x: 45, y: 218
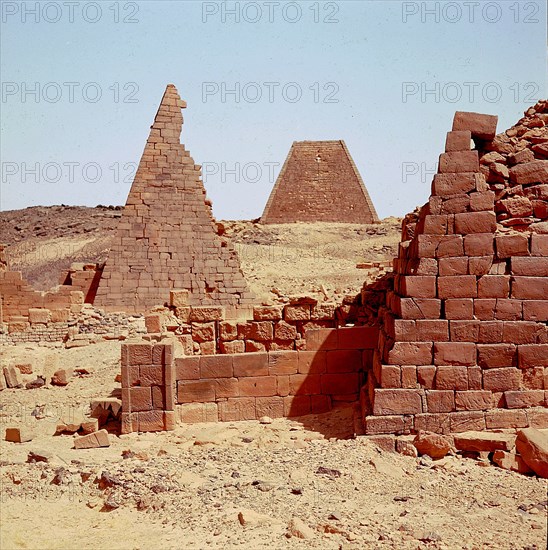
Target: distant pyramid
x: 319, y: 182
x: 167, y: 237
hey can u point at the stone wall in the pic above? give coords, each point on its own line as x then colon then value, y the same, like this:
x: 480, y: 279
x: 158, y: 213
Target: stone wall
x: 159, y: 390
x: 464, y: 340
x: 23, y: 307
x: 319, y: 182
x: 59, y: 315
x: 209, y: 330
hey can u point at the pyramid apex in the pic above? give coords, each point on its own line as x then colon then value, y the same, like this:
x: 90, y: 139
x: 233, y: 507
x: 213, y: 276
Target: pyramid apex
x: 172, y: 94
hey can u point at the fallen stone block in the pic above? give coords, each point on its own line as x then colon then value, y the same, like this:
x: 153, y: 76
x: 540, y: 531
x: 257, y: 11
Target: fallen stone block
x: 532, y: 445
x: 432, y: 444
x: 76, y: 343
x: 90, y: 425
x: 511, y: 461
x: 92, y: 440
x: 484, y: 441
x: 40, y: 456
x: 36, y: 383
x: 62, y: 377
x: 530, y: 172
x: 19, y: 435
x: 299, y: 529
x: 70, y: 421
x: 13, y: 377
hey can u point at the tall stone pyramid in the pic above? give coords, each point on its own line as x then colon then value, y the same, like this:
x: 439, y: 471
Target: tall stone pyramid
x: 167, y: 237
x: 319, y: 182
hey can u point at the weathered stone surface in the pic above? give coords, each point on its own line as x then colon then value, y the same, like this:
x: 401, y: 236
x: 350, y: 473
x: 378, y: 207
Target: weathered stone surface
x: 511, y: 461
x: 167, y: 241
x: 484, y: 441
x: 298, y: 528
x: 432, y: 444
x: 308, y: 187
x: 530, y: 172
x: 532, y: 445
x: 13, y: 377
x: 62, y: 377
x: 92, y: 440
x: 20, y: 434
x: 481, y: 126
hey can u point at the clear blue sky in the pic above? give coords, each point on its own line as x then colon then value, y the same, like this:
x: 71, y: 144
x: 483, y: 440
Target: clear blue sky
x: 375, y: 60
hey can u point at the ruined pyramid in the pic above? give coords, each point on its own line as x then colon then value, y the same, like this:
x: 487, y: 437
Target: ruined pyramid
x: 319, y: 182
x: 167, y: 238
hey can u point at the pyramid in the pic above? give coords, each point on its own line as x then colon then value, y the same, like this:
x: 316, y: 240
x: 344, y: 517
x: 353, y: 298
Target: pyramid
x: 463, y: 342
x: 167, y: 238
x: 319, y: 182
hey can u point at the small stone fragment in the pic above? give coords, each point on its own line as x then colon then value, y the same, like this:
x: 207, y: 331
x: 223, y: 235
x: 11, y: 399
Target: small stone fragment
x: 62, y: 377
x: 19, y: 435
x: 298, y: 528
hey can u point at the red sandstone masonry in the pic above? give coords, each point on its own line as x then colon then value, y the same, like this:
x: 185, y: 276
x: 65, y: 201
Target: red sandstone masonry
x: 481, y: 298
x: 167, y: 239
x: 243, y: 386
x: 462, y: 339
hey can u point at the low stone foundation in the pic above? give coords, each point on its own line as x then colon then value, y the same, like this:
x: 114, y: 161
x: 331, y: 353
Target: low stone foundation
x: 159, y: 390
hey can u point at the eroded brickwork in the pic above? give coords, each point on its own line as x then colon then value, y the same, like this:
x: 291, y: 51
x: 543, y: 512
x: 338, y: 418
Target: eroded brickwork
x: 319, y: 182
x: 464, y: 343
x: 167, y: 237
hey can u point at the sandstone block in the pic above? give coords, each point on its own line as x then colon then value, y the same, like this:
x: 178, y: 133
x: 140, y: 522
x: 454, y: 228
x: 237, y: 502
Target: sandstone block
x: 484, y: 441
x: 397, y: 401
x: 481, y: 126
x: 459, y: 161
x: 61, y: 377
x: 13, y: 377
x: 530, y: 172
x: 532, y: 445
x: 432, y: 444
x: 92, y: 440
x: 21, y: 434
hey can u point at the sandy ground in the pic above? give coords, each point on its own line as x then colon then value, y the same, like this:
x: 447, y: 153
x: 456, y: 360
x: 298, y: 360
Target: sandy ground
x: 187, y: 488
x: 237, y: 485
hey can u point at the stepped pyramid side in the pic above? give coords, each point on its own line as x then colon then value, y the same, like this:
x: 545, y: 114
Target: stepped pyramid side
x: 319, y: 182
x: 167, y: 237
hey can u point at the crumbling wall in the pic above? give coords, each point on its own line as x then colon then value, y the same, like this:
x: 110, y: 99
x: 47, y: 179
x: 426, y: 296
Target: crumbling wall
x: 464, y: 340
x: 25, y: 309
x: 209, y: 330
x: 59, y: 315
